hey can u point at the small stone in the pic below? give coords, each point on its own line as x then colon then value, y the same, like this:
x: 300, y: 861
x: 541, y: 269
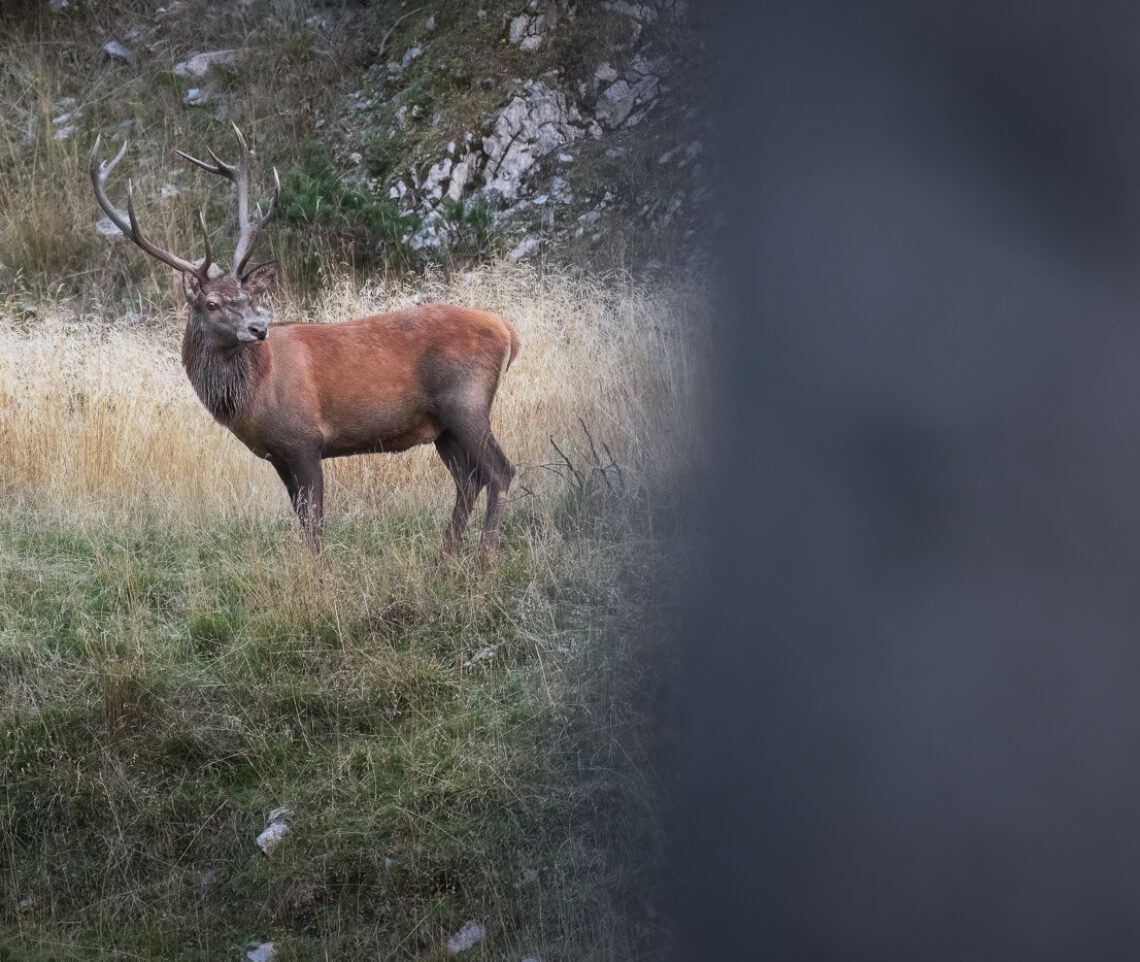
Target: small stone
x: 196, y: 97
x: 488, y: 652
x: 528, y: 246
x: 116, y: 51
x: 410, y: 54
x: 615, y: 103
x: 200, y: 63
x: 261, y: 953
x: 268, y: 840
x: 467, y: 936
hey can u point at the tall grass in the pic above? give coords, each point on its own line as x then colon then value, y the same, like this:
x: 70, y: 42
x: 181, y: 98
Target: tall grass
x: 98, y: 415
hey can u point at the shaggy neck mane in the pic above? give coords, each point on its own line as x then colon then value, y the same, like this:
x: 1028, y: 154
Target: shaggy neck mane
x: 224, y: 380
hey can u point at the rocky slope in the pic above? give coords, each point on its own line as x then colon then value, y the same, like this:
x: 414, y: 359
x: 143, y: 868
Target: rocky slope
x: 533, y: 128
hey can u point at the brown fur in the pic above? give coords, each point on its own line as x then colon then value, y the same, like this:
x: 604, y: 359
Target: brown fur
x: 306, y: 392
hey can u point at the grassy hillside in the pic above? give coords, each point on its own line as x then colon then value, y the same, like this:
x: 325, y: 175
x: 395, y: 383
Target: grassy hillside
x: 454, y: 747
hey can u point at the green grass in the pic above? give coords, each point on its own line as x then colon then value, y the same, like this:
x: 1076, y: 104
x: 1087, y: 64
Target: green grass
x: 160, y: 694
x: 453, y: 747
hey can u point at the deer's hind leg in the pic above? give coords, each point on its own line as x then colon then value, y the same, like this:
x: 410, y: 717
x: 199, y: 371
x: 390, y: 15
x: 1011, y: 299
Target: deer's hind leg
x: 475, y: 461
x: 467, y: 488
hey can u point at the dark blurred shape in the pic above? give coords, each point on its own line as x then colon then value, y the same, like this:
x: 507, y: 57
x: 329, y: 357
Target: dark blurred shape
x: 914, y: 669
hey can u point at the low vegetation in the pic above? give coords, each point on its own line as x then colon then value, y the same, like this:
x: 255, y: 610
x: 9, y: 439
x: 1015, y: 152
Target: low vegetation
x: 453, y: 747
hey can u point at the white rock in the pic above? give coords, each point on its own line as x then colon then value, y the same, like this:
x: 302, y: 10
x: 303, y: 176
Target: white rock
x: 605, y: 74
x: 615, y: 103
x: 58, y: 5
x: 200, y: 63
x: 262, y: 953
x: 168, y: 190
x: 277, y: 829
x: 529, y: 128
x: 116, y: 51
x: 467, y: 936
x: 64, y: 132
x: 461, y: 175
x: 105, y: 227
x: 437, y: 175
x: 409, y: 55
x: 196, y: 97
x: 268, y: 840
x: 489, y: 652
x: 528, y: 246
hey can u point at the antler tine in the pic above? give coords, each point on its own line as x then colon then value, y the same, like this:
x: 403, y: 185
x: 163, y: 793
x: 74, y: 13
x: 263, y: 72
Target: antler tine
x: 219, y: 166
x: 127, y: 222
x: 250, y: 229
x: 238, y: 174
x: 206, y: 241
x: 99, y: 172
x: 157, y: 252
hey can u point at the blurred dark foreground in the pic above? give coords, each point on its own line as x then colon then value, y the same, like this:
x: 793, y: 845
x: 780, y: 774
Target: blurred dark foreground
x: 913, y: 672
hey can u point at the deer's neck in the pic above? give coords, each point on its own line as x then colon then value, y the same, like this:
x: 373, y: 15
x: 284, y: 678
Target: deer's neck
x: 223, y: 379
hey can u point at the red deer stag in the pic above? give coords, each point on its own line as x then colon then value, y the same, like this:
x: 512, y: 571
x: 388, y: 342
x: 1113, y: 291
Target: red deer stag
x: 295, y: 394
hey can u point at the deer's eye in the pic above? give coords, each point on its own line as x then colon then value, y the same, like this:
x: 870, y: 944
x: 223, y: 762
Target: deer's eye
x: 212, y: 305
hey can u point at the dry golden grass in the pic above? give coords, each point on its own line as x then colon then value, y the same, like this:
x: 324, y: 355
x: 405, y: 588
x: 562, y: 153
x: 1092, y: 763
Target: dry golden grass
x: 100, y: 422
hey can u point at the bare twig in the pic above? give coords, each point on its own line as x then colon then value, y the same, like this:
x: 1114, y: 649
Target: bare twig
x: 573, y: 470
x: 617, y: 467
x: 598, y: 467
x: 589, y: 437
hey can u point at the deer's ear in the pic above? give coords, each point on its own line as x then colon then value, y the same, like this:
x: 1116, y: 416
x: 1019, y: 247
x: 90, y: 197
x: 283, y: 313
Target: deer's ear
x: 260, y: 279
x: 191, y: 286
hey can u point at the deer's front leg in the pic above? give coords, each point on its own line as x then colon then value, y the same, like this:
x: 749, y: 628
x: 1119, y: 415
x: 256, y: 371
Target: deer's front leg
x: 304, y: 480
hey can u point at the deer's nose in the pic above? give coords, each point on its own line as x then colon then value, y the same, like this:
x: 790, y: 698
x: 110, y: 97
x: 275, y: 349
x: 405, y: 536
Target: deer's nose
x: 258, y: 329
